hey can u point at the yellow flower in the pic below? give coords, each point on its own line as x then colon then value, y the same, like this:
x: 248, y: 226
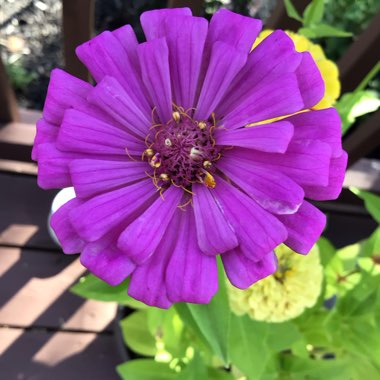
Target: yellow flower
x: 328, y: 69
x: 284, y: 295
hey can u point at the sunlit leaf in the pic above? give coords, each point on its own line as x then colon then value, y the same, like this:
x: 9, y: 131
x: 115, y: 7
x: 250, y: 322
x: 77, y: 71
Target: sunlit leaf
x: 292, y: 11
x: 136, y: 333
x: 314, y: 12
x: 322, y: 30
x: 145, y: 369
x: 355, y: 104
x: 92, y: 287
x: 371, y: 202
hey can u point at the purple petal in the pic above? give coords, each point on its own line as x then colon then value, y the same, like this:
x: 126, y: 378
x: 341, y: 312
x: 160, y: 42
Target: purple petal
x: 93, y: 177
x: 323, y: 125
x: 233, y: 29
x: 153, y: 22
x: 64, y: 91
x: 191, y: 276
x: 306, y: 162
x: 310, y: 81
x: 215, y: 235
x: 105, y: 55
x: 140, y: 239
x: 243, y: 272
x: 46, y: 133
x: 66, y: 234
x: 272, y: 190
x: 337, y: 171
x: 99, y: 215
x: 272, y: 58
x: 127, y: 38
x: 269, y: 99
x: 106, y: 261
x: 110, y: 96
x: 148, y: 280
x: 304, y: 227
x: 225, y: 63
x: 154, y: 61
x: 258, y: 231
x: 186, y: 37
x: 83, y: 133
x: 273, y: 137
x: 53, y: 167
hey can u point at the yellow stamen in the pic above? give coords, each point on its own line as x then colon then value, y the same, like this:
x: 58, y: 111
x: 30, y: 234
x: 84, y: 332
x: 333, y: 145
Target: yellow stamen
x: 164, y: 177
x: 202, y: 125
x: 209, y: 180
x: 207, y: 164
x: 176, y: 116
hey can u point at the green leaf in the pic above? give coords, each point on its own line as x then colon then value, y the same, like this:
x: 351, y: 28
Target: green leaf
x: 322, y: 30
x: 355, y: 104
x: 168, y: 328
x: 145, y: 369
x: 211, y: 321
x: 314, y: 12
x: 281, y: 336
x: 91, y: 287
x: 195, y: 370
x: 292, y: 11
x: 248, y: 346
x: 371, y: 202
x: 136, y: 333
x: 301, y: 369
x: 218, y: 374
x: 326, y: 250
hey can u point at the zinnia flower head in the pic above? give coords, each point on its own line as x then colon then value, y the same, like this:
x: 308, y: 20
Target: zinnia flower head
x: 295, y: 286
x: 165, y: 172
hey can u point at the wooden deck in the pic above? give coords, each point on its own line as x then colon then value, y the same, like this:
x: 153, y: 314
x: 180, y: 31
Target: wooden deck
x: 45, y: 331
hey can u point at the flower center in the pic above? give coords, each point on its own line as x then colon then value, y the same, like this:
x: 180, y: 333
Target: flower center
x: 183, y: 151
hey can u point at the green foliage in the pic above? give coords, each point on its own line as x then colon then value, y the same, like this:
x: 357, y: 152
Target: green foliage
x: 91, y: 287
x: 359, y: 102
x: 212, y: 321
x: 292, y: 11
x: 18, y: 76
x: 314, y: 12
x: 371, y: 202
x: 137, y: 335
x: 145, y: 369
x: 312, y: 25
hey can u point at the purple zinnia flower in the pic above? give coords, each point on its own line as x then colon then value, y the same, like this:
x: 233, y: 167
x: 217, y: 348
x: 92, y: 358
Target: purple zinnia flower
x: 166, y: 172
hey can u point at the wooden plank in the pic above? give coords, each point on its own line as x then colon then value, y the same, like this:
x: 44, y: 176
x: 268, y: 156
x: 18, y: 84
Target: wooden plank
x: 361, y: 56
x: 24, y: 212
x: 78, y: 24
x: 42, y: 355
x: 27, y: 168
x: 363, y: 139
x: 8, y: 109
x: 279, y: 18
x: 35, y: 292
x: 195, y: 5
x: 16, y: 141
x: 28, y: 116
x: 365, y: 175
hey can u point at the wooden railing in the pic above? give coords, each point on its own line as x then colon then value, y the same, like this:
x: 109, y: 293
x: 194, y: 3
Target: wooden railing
x: 78, y: 24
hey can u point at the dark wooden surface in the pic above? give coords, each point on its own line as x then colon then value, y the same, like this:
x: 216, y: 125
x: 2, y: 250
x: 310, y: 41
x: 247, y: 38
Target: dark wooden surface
x: 46, y: 332
x: 361, y: 56
x: 364, y: 139
x: 8, y: 104
x: 78, y: 26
